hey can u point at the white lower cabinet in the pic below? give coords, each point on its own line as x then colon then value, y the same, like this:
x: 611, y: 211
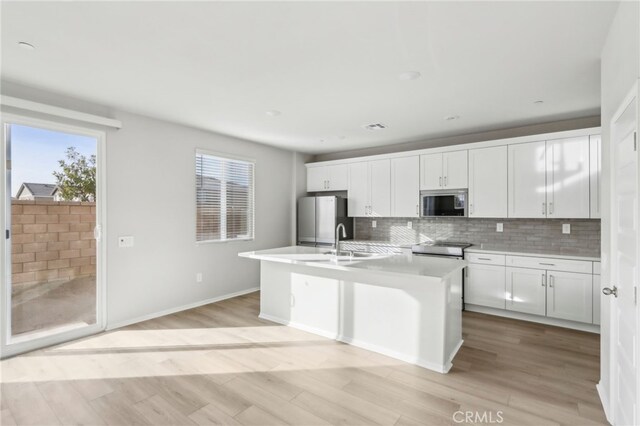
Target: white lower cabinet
x: 484, y: 285
x: 569, y: 296
x: 597, y: 294
x: 526, y: 291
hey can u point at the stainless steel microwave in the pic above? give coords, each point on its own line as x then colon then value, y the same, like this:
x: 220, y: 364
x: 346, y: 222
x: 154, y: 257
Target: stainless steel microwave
x: 444, y: 203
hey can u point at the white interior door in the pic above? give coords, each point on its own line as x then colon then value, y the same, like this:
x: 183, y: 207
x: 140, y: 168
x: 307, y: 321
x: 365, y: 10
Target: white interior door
x: 624, y: 264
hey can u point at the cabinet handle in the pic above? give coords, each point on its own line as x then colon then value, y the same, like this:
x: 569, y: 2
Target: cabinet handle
x: 543, y: 282
x: 551, y: 280
x: 483, y: 258
x: 417, y: 209
x: 445, y: 181
x: 440, y: 181
x: 328, y: 184
x: 551, y: 207
x: 471, y: 208
x: 546, y: 264
x: 544, y: 208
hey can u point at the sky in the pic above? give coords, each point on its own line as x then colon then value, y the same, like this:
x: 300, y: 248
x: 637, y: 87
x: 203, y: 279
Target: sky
x: 35, y: 153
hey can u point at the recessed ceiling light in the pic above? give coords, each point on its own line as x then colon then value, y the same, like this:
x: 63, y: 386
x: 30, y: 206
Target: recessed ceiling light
x: 452, y: 117
x: 409, y: 75
x: 26, y: 46
x: 374, y: 126
x: 273, y: 113
x: 538, y: 102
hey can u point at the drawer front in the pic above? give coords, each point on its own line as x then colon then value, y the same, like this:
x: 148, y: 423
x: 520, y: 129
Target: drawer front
x: 550, y: 264
x: 596, y: 268
x: 485, y: 259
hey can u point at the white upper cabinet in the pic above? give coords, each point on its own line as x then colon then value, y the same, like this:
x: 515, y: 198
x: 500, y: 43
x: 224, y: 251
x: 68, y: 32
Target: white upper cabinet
x: 568, y: 178
x: 405, y: 186
x: 443, y: 170
x: 527, y: 180
x: 380, y: 172
x: 359, y: 192
x: 369, y: 189
x: 595, y: 169
x: 455, y: 170
x: 327, y: 178
x: 431, y: 171
x: 569, y: 296
x: 488, y: 182
x: 316, y: 179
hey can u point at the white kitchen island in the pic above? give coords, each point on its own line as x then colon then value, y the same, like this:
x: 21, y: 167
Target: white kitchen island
x: 404, y: 306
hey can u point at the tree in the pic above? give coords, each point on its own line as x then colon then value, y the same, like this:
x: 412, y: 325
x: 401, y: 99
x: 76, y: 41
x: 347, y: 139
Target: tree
x: 77, y: 180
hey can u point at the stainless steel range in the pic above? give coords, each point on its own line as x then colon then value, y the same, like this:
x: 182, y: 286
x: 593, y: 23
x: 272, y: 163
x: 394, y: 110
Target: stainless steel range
x: 440, y: 248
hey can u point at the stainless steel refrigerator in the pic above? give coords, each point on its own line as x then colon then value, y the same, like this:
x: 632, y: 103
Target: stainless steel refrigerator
x: 318, y: 218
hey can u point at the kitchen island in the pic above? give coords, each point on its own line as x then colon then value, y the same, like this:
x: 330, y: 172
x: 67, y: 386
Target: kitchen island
x: 403, y: 306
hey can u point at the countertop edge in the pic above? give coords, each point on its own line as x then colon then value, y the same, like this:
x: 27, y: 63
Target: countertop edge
x: 529, y: 254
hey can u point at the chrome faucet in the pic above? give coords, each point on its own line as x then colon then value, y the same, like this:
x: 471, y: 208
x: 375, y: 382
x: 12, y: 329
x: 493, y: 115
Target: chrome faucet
x: 344, y: 235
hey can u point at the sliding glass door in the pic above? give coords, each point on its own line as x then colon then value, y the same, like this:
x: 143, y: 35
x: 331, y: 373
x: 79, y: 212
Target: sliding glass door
x: 52, y: 288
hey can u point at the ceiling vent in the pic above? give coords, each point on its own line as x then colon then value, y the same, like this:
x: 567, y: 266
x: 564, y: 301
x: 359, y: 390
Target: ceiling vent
x: 375, y: 126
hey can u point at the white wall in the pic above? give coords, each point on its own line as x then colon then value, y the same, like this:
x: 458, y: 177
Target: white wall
x: 620, y: 62
x: 151, y: 196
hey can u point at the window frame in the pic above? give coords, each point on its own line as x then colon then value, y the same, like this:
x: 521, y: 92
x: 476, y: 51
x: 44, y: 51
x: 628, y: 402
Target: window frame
x: 228, y: 157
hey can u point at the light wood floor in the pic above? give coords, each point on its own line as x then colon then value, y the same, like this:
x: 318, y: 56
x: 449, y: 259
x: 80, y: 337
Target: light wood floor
x: 220, y: 364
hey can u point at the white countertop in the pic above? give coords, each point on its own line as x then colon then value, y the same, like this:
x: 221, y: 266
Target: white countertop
x: 494, y: 249
x: 425, y: 266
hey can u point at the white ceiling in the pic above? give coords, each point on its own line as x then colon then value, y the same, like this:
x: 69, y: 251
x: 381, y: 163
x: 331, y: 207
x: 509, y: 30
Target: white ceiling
x: 329, y: 68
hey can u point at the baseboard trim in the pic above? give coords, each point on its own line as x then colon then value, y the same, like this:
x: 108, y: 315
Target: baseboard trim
x: 180, y: 308
x: 364, y: 345
x: 604, y: 400
x: 590, y: 328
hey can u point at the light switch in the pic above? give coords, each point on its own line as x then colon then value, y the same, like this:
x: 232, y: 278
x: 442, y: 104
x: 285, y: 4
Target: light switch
x: 566, y: 228
x: 499, y: 227
x: 125, y: 241
x: 374, y: 224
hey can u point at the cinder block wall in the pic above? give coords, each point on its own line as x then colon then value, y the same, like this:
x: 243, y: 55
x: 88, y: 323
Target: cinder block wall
x: 52, y: 240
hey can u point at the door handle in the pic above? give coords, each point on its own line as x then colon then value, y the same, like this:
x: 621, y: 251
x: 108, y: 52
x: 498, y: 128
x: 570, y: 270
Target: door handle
x: 609, y: 291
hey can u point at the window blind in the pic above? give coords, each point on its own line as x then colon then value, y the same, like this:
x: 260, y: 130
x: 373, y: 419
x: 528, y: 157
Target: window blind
x: 224, y: 198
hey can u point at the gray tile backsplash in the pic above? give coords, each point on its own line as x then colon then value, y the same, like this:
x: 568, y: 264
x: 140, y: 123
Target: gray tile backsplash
x: 535, y: 234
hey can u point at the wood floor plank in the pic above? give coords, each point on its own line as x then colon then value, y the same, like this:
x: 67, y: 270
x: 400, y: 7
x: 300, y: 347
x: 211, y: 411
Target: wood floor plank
x: 221, y: 364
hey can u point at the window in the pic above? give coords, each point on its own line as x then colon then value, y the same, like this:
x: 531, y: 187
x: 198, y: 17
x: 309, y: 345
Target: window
x: 224, y: 198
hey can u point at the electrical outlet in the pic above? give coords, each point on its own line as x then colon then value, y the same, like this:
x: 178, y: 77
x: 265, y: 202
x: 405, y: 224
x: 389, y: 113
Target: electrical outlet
x: 499, y: 227
x: 566, y: 228
x: 374, y: 224
x: 199, y: 277
x: 125, y: 241
x: 409, y: 224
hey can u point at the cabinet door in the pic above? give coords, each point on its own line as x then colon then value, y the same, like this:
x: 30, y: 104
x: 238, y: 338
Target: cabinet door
x: 431, y: 171
x: 597, y: 294
x: 595, y: 168
x: 380, y: 184
x: 455, y: 170
x: 316, y: 179
x: 488, y: 182
x: 568, y: 178
x: 405, y: 186
x: 526, y: 180
x: 338, y: 177
x: 310, y: 292
x: 358, y: 192
x: 570, y: 296
x: 484, y: 285
x: 526, y: 290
